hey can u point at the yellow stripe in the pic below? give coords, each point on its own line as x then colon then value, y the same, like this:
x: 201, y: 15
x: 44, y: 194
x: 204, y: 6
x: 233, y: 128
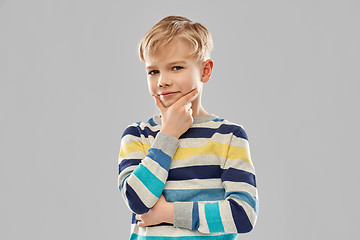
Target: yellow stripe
x: 146, y: 148
x: 215, y: 148
x: 239, y: 153
x: 212, y: 147
x: 130, y: 148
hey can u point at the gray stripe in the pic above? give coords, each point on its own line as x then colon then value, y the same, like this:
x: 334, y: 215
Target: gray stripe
x: 183, y: 214
x: 166, y: 143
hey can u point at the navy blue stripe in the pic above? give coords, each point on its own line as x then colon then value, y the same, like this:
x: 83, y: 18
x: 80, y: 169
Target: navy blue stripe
x: 133, y: 219
x: 136, y: 131
x: 195, y: 172
x: 192, y: 132
x: 131, y: 131
x: 195, y: 217
x: 242, y: 222
x: 135, y: 204
x: 148, y: 132
x: 236, y: 175
x: 240, y: 132
x: 127, y: 163
x: 209, y: 132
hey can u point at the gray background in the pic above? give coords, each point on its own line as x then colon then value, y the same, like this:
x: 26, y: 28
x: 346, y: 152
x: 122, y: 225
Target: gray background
x: 71, y: 82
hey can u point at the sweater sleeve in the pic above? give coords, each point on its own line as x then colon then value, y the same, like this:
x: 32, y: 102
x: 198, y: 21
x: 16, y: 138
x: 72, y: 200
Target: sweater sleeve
x: 142, y: 172
x: 237, y: 213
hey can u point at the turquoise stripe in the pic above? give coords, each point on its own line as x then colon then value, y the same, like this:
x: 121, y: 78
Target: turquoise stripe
x: 217, y: 237
x: 245, y: 197
x: 150, y: 181
x: 193, y: 195
x: 213, y: 218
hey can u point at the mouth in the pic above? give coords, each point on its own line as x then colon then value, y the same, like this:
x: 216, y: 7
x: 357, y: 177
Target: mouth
x: 167, y: 94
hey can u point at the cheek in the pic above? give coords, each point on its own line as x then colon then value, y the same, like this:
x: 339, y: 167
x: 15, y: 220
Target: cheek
x: 190, y: 82
x: 151, y: 88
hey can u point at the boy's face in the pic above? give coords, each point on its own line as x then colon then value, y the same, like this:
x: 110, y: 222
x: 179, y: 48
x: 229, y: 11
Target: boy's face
x: 172, y: 72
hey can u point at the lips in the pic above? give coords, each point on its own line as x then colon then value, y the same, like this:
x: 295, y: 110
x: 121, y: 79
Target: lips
x: 164, y: 94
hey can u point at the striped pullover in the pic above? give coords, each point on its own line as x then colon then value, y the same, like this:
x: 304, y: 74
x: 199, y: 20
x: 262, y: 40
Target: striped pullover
x: 207, y: 173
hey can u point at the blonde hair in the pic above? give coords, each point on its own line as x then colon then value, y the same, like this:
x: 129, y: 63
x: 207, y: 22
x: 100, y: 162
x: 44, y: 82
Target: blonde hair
x: 175, y: 26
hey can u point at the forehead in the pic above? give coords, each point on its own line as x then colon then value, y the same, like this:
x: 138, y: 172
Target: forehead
x: 175, y: 51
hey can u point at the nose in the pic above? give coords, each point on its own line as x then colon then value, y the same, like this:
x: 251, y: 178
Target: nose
x: 164, y: 81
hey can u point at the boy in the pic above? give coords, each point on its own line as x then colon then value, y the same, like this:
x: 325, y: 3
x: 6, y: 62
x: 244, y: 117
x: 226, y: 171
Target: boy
x: 185, y: 174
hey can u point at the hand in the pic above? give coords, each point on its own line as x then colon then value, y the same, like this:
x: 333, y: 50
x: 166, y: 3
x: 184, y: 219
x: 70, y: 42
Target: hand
x: 177, y: 118
x: 162, y: 211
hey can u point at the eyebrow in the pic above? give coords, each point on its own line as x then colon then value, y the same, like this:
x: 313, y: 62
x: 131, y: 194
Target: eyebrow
x: 169, y: 64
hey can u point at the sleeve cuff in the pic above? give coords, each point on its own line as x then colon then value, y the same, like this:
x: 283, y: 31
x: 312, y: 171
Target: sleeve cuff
x: 186, y: 215
x: 168, y: 144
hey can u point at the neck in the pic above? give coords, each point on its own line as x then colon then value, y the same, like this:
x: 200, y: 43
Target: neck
x: 197, y: 108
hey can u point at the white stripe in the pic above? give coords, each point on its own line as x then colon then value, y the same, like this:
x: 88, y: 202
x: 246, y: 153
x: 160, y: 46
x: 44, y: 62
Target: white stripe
x: 240, y: 186
x: 239, y: 142
x: 143, y: 193
x: 195, y: 184
x: 203, y: 226
x: 200, y: 142
x: 198, y: 160
x: 211, y: 159
x: 129, y: 138
x: 156, y: 169
x: 239, y: 164
x: 209, y: 124
x: 226, y: 217
x: 170, y: 231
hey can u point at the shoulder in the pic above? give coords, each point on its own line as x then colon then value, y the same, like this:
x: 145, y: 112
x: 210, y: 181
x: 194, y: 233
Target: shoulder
x: 146, y: 128
x: 232, y: 127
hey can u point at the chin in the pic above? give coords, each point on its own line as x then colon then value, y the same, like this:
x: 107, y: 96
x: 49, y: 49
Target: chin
x: 168, y: 104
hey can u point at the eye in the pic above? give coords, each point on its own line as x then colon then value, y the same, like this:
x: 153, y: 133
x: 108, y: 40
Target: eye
x: 153, y: 72
x: 177, y: 68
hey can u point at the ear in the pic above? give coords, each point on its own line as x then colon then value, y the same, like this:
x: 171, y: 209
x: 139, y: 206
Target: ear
x: 207, y: 68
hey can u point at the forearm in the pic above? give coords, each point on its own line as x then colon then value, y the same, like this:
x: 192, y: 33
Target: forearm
x: 141, y: 181
x: 230, y: 216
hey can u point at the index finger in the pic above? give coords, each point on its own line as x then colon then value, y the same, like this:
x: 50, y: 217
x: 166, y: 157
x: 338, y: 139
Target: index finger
x: 187, y: 98
x: 159, y: 104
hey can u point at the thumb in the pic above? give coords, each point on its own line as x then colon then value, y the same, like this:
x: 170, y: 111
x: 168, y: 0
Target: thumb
x: 159, y: 104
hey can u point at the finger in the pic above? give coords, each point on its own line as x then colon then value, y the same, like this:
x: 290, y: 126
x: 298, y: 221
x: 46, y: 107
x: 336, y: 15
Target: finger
x: 188, y: 106
x: 187, y: 97
x: 138, y: 217
x: 140, y: 224
x: 159, y: 104
x: 191, y: 112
